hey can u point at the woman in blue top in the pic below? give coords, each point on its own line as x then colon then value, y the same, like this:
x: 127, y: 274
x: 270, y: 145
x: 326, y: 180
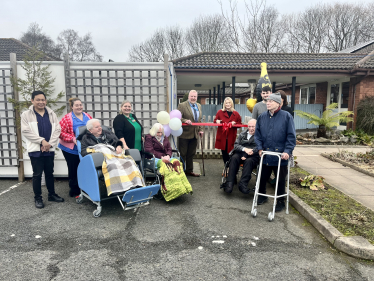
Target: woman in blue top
x: 68, y: 144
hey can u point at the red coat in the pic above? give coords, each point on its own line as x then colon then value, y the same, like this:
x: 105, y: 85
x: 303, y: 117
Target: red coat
x: 231, y: 135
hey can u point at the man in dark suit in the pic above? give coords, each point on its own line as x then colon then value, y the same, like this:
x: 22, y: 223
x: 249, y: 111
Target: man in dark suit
x: 246, y: 153
x: 187, y: 142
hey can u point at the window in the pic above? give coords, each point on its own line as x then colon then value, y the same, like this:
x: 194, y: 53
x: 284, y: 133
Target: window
x: 212, y: 99
x: 237, y: 101
x: 308, y: 94
x: 334, y: 96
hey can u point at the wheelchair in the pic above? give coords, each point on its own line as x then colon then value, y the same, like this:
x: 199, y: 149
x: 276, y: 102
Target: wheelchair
x: 90, y: 178
x: 225, y: 172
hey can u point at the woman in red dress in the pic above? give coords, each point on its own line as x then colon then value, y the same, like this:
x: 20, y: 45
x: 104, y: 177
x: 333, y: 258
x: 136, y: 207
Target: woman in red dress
x: 225, y: 139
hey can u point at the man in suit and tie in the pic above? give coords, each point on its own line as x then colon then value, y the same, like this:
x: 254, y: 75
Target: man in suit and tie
x: 245, y: 152
x: 187, y: 143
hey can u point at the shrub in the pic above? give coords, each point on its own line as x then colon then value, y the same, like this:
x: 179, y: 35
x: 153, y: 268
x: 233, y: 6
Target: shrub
x: 365, y: 115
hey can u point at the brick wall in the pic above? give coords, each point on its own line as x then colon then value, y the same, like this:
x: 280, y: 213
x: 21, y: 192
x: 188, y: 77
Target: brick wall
x: 297, y: 94
x: 321, y: 93
x: 363, y: 89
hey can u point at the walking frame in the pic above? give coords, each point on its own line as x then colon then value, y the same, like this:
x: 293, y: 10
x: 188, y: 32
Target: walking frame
x: 275, y: 196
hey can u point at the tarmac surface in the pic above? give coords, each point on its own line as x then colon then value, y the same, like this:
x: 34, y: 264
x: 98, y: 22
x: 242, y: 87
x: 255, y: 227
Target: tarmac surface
x: 209, y: 235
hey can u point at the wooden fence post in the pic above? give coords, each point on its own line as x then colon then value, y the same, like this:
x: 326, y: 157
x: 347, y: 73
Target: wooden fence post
x: 21, y: 170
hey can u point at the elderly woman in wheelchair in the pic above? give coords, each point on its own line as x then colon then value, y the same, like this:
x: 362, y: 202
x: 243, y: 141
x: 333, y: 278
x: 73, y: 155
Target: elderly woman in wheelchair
x: 102, y: 156
x: 173, y: 178
x: 246, y: 153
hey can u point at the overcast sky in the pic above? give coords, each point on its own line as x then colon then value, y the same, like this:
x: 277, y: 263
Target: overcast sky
x: 116, y: 25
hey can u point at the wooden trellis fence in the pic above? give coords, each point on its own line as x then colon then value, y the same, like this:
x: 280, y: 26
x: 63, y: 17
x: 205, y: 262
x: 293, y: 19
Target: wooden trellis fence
x: 210, y: 133
x: 8, y: 137
x: 103, y: 90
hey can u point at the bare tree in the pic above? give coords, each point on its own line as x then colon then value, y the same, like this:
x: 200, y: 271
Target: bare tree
x: 259, y: 29
x: 208, y: 34
x: 78, y: 48
x: 175, y: 42
x: 307, y: 32
x: 164, y: 41
x: 34, y: 37
x: 347, y: 26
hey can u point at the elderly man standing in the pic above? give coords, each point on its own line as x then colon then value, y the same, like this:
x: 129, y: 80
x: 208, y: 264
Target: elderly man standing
x: 187, y: 142
x: 260, y: 107
x: 245, y: 152
x: 40, y: 127
x: 275, y: 131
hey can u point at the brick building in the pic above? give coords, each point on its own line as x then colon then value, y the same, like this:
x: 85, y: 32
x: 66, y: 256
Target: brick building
x: 344, y: 78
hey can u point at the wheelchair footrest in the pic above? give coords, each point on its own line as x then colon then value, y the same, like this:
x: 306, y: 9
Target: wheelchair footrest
x: 139, y: 196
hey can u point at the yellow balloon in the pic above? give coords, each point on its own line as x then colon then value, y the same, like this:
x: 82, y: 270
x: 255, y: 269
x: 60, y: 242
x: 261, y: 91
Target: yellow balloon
x: 251, y: 104
x: 163, y: 117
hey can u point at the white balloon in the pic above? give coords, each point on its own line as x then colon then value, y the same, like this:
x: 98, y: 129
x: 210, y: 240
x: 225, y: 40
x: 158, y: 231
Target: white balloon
x: 163, y: 117
x: 175, y: 124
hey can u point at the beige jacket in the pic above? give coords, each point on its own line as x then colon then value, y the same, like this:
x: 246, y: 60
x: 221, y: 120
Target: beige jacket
x: 29, y: 129
x: 189, y: 132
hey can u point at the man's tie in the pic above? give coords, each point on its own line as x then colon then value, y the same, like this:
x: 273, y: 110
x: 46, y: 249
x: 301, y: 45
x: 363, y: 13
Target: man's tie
x: 195, y: 112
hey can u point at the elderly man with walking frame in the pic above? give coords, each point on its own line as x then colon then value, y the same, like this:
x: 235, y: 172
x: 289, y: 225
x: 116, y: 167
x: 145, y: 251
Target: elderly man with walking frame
x: 275, y: 131
x: 246, y: 153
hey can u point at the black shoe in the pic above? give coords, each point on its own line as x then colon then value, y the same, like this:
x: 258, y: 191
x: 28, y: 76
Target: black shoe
x: 262, y: 199
x: 228, y: 188
x: 244, y: 189
x: 55, y: 198
x: 279, y: 206
x: 74, y: 192
x: 39, y: 203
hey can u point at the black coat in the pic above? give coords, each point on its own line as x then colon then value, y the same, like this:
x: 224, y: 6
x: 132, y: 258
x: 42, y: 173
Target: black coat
x: 124, y: 129
x: 288, y: 109
x: 89, y: 139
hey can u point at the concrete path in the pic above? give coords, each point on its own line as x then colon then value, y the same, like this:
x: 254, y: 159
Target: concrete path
x: 353, y: 183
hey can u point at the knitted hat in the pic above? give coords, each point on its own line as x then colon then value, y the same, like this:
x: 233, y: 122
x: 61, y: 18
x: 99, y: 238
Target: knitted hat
x: 275, y: 97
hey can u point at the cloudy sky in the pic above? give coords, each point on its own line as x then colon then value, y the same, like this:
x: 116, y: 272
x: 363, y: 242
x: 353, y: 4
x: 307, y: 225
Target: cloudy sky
x: 116, y: 25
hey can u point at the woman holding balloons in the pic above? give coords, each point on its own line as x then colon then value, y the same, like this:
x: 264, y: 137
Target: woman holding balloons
x: 127, y: 127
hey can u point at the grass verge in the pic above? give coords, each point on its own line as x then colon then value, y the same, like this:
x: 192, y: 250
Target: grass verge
x: 344, y: 213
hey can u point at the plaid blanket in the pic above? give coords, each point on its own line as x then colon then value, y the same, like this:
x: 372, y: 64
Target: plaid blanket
x: 120, y: 171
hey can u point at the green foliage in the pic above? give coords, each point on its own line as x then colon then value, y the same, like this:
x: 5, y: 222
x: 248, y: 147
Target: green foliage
x: 362, y: 137
x: 38, y: 78
x: 313, y: 182
x: 329, y: 119
x: 365, y: 115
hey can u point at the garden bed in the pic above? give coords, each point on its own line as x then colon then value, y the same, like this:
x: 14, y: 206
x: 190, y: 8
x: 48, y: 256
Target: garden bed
x: 344, y: 213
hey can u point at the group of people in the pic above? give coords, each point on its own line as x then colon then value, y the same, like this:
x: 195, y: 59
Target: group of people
x: 273, y: 131
x: 43, y: 133
x: 270, y: 129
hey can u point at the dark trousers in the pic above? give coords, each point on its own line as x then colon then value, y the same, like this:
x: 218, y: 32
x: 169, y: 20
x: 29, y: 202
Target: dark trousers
x: 248, y: 165
x: 72, y: 160
x: 40, y: 164
x: 225, y: 154
x: 265, y: 175
x: 187, y: 149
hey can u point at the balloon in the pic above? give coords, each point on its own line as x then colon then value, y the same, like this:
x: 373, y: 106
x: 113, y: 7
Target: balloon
x: 177, y: 133
x: 167, y: 130
x: 250, y: 104
x: 175, y: 124
x: 175, y: 114
x: 163, y: 117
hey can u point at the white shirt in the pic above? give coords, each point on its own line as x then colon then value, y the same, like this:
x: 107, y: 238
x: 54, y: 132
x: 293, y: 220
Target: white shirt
x: 248, y: 137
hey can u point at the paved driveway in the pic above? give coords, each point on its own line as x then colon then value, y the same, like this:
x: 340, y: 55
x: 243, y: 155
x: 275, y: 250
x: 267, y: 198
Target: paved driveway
x: 206, y: 236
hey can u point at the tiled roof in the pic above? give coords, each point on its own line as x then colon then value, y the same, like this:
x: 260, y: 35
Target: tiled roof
x: 363, y: 48
x: 11, y: 45
x: 228, y: 91
x: 275, y: 61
